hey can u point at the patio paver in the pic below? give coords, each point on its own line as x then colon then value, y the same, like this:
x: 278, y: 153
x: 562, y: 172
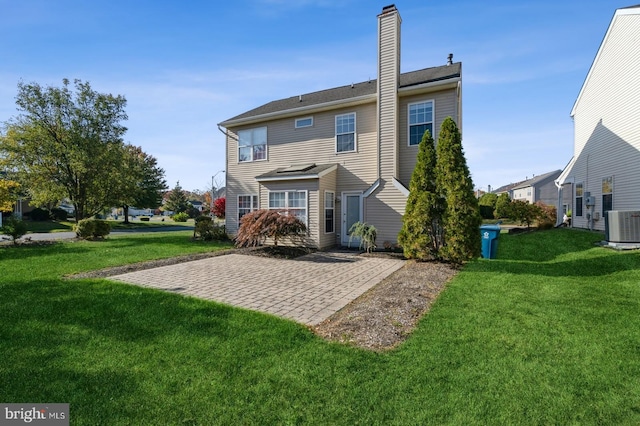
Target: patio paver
x: 308, y: 289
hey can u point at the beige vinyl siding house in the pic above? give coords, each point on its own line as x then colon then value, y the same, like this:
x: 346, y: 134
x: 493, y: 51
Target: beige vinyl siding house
x: 347, y: 148
x: 604, y: 173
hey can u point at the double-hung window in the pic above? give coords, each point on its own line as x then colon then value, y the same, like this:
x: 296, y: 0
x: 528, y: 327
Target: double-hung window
x: 420, y: 120
x: 294, y: 202
x: 252, y: 144
x: 329, y: 212
x: 346, y: 132
x: 246, y: 204
x: 607, y: 194
x: 579, y: 195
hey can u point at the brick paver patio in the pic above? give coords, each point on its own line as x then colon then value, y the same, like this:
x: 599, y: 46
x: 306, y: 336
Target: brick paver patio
x: 308, y: 289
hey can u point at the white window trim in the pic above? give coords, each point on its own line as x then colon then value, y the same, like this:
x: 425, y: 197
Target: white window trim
x: 324, y: 217
x: 355, y: 132
x: 297, y: 121
x: 433, y: 119
x: 254, y: 197
x: 266, y: 146
x: 575, y: 196
x: 286, y: 202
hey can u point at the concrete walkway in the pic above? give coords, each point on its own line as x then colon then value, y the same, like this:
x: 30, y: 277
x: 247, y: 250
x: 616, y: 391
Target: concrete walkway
x: 308, y: 289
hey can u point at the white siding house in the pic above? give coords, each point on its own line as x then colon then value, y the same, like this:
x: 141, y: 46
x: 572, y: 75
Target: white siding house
x: 604, y: 173
x: 344, y: 154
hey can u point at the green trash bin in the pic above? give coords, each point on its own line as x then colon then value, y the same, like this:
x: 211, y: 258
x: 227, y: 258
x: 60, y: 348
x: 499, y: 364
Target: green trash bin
x: 489, y: 235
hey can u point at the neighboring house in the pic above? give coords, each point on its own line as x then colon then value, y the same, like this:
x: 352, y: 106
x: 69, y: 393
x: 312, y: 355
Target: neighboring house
x: 341, y: 155
x: 539, y: 188
x: 199, y: 205
x: 506, y: 189
x: 604, y: 173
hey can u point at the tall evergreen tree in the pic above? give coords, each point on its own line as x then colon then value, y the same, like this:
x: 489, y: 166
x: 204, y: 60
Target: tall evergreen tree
x: 461, y: 219
x: 177, y: 201
x: 420, y: 236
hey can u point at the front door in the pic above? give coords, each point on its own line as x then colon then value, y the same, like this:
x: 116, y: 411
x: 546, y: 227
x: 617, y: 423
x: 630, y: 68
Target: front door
x: 351, y: 213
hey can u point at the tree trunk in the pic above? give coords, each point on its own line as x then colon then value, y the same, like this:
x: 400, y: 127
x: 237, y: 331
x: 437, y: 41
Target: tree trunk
x: 125, y: 211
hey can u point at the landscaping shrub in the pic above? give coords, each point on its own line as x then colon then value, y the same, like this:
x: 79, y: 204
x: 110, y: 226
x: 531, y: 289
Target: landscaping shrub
x: 58, y: 214
x: 547, y: 215
x: 486, y: 212
x: 39, y: 215
x: 180, y: 217
x: 523, y: 212
x: 92, y: 228
x: 207, y: 230
x: 257, y: 226
x: 13, y: 227
x: 219, y: 207
x: 367, y: 234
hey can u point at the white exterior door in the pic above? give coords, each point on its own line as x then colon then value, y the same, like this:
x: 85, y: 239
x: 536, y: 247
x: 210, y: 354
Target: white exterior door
x: 351, y: 213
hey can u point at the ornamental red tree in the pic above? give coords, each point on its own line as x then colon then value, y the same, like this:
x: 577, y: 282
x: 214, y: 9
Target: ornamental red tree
x: 219, y: 207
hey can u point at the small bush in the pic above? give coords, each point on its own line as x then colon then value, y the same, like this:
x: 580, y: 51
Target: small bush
x: 180, y: 217
x: 366, y: 233
x: 39, y: 215
x: 547, y: 215
x: 486, y: 212
x: 207, y: 230
x: 59, y: 214
x: 257, y: 226
x: 13, y: 227
x: 92, y: 228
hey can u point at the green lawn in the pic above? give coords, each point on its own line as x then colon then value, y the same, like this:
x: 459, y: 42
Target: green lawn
x: 548, y: 333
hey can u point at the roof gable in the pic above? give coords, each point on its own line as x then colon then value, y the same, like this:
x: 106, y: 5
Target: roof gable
x: 629, y: 10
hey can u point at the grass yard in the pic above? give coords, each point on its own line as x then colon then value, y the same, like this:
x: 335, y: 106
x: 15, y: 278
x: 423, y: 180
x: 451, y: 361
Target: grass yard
x: 66, y: 226
x: 548, y: 333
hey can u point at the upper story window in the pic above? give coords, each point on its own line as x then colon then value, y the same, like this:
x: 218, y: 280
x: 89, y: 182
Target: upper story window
x: 579, y: 194
x: 607, y: 194
x: 304, y: 122
x: 346, y: 132
x: 252, y: 144
x: 420, y: 120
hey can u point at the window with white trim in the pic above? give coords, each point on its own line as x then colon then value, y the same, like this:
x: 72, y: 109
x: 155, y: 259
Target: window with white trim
x: 579, y: 194
x: 246, y: 204
x: 294, y: 202
x: 329, y: 212
x: 420, y: 120
x: 607, y: 194
x: 304, y: 122
x: 346, y: 132
x: 252, y: 144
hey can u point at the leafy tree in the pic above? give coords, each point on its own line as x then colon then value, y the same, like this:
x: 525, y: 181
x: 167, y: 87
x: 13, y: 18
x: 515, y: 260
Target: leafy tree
x: 177, y: 200
x: 502, y: 206
x: 523, y: 212
x: 66, y: 144
x: 420, y: 236
x: 141, y: 182
x: 219, y: 207
x: 461, y: 218
x: 8, y: 189
x: 488, y: 199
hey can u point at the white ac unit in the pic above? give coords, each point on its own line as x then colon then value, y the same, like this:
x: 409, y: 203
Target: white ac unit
x: 623, y: 226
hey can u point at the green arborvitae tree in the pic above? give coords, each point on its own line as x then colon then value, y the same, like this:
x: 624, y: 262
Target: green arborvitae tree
x: 66, y: 144
x: 461, y: 219
x: 177, y: 201
x: 503, y: 206
x: 420, y: 236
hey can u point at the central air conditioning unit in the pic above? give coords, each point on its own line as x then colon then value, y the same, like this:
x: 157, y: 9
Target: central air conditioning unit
x: 623, y: 226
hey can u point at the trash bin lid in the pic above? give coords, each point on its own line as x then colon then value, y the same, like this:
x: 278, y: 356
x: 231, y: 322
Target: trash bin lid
x: 490, y: 227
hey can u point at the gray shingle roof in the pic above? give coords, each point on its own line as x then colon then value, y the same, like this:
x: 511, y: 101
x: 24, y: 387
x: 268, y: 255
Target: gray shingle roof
x: 304, y: 171
x: 353, y: 91
x: 538, y: 179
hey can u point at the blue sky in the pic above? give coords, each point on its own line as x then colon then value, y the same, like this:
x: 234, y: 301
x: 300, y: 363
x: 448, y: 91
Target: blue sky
x: 186, y: 66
